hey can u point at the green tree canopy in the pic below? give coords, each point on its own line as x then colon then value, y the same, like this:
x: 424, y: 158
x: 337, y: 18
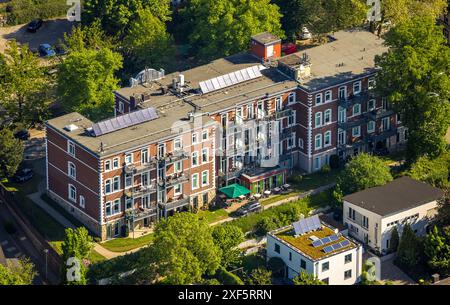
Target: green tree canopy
x: 260, y: 276
x: 362, y: 172
x: 444, y: 208
x: 435, y: 172
x: 410, y: 250
x: 222, y: 28
x: 437, y: 250
x: 394, y: 240
x: 21, y: 274
x: 11, y: 153
x: 415, y: 77
x: 24, y: 87
x: 184, y: 249
x: 78, y: 244
x: 227, y: 238
x: 307, y: 279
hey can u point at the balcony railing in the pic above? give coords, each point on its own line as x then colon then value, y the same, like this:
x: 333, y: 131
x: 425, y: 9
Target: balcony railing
x: 177, y: 155
x: 141, y: 213
x: 353, y: 123
x: 379, y: 113
x: 137, y: 169
x: 234, y: 173
x: 176, y: 179
x: 381, y: 135
x: 179, y: 202
x: 352, y: 99
x: 142, y: 190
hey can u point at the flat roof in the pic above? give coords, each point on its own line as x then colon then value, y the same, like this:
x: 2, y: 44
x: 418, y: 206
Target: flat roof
x: 303, y: 243
x: 399, y: 195
x: 266, y: 38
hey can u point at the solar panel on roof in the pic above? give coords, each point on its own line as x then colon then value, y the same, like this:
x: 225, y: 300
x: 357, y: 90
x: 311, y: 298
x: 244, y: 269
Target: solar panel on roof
x: 327, y: 249
x: 336, y: 246
x: 345, y: 243
x: 307, y: 225
x: 317, y: 243
x: 230, y: 79
x: 124, y: 121
x: 333, y: 237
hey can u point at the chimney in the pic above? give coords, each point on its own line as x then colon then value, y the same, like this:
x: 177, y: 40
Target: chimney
x: 266, y: 46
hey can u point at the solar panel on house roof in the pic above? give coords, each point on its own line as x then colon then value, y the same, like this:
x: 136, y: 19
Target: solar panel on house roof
x: 345, y: 243
x: 124, y: 121
x: 307, y: 225
x: 230, y: 79
x: 336, y: 246
x: 325, y: 240
x: 327, y: 249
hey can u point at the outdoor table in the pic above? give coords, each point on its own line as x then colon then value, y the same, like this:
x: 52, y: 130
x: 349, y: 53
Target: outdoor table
x: 277, y: 189
x: 286, y: 186
x: 257, y: 196
x: 267, y: 192
x: 241, y: 197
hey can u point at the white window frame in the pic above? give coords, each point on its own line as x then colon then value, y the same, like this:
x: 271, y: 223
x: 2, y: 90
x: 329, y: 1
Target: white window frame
x: 108, y: 165
x: 194, y: 138
x: 195, y: 153
x: 317, y: 116
x: 317, y: 165
x: 194, y: 178
x: 128, y: 200
x: 125, y: 180
x: 114, y: 179
x: 205, y: 132
x: 177, y: 143
x: 278, y: 103
x: 369, y: 108
x: 301, y: 143
x: 69, y: 195
x: 328, y: 113
x: 318, y: 138
x: 178, y: 166
x: 110, y: 186
x: 291, y: 98
x: 371, y: 83
x: 359, y: 109
x: 371, y: 130
x: 121, y: 107
x: 71, y: 148
x: 129, y: 158
x: 177, y: 192
x: 319, y: 98
x: 207, y: 155
x: 328, y: 96
x: 327, y: 133
x: 358, y: 83
x: 70, y: 166
x: 143, y: 153
x: 359, y: 131
x: 207, y: 178
x: 116, y: 160
x: 117, y: 202
x: 82, y: 202
x: 108, y: 205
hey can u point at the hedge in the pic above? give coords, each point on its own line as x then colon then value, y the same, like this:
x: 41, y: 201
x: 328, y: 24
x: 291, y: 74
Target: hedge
x: 23, y: 11
x: 227, y: 278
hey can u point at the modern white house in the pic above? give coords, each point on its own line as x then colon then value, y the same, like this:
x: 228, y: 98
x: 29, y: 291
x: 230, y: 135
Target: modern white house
x: 372, y: 214
x: 312, y: 246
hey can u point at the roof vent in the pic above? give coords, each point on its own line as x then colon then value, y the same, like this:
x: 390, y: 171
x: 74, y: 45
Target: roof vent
x: 71, y: 127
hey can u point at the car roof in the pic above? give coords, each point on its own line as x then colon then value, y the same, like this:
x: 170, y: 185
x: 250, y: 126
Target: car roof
x: 45, y: 45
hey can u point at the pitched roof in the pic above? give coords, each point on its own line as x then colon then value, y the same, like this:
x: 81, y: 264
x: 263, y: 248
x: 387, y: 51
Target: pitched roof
x: 399, y: 195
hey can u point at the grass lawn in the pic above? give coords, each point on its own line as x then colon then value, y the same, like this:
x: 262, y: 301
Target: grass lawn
x: 314, y: 180
x: 127, y: 244
x: 213, y: 215
x: 275, y: 198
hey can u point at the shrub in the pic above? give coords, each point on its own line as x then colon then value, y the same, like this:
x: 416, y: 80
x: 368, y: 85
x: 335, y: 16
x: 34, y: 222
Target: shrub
x: 325, y: 169
x: 23, y: 11
x: 227, y: 278
x: 266, y: 224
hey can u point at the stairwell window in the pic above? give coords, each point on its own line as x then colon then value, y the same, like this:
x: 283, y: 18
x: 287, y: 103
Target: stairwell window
x: 72, y: 193
x: 318, y: 119
x: 318, y: 142
x: 72, y: 170
x: 371, y: 126
x: 71, y: 148
x: 357, y: 87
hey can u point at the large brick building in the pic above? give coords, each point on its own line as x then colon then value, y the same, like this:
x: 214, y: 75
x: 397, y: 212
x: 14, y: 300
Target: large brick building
x: 248, y: 118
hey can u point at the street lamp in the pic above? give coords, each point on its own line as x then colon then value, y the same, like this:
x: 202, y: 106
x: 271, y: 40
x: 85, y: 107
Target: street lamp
x: 46, y: 253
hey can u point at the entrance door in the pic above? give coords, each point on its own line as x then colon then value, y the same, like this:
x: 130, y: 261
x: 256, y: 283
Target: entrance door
x: 269, y: 51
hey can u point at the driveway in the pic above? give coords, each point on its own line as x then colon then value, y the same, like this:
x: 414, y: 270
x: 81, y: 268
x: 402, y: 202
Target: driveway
x: 390, y: 272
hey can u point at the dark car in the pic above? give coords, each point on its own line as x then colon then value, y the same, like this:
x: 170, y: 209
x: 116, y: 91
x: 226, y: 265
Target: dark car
x: 22, y: 134
x: 249, y: 208
x: 34, y: 25
x: 23, y: 175
x: 61, y: 49
x: 46, y: 50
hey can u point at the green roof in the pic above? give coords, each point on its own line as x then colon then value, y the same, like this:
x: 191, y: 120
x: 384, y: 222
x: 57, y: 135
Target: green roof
x: 234, y: 190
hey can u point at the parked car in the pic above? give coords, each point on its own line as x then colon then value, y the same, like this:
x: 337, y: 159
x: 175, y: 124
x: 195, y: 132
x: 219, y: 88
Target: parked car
x: 46, y: 50
x: 23, y: 175
x: 34, y: 25
x: 61, y: 49
x: 249, y: 208
x: 22, y: 134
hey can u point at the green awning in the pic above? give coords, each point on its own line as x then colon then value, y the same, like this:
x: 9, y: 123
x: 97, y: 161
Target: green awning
x: 234, y: 190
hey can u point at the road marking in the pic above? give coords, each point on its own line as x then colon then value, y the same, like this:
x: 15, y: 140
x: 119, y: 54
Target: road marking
x: 4, y: 243
x: 11, y: 249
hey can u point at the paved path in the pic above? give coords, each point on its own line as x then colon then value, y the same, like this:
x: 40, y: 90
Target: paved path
x: 390, y: 272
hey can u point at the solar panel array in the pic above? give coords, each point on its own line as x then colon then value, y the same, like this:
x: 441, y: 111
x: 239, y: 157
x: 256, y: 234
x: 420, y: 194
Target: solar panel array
x: 231, y: 79
x: 124, y: 121
x: 325, y: 240
x: 307, y: 225
x: 336, y: 246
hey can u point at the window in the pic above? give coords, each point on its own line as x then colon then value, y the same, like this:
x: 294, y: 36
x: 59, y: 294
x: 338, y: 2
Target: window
x: 82, y: 202
x: 107, y: 165
x: 72, y: 193
x: 205, y: 198
x: 348, y: 258
x: 116, y: 206
x: 327, y: 139
x: 342, y: 92
x: 317, y: 163
x: 291, y: 98
x: 204, y: 155
x: 327, y: 116
x: 121, y: 108
x: 194, y: 158
x: 318, y: 120
x: 356, y: 109
x: 177, y: 144
x: 371, y: 126
x: 108, y: 186
x: 71, y: 170
x: 144, y: 156
x: 291, y: 119
x: 371, y: 83
x: 318, y: 142
x: 356, y: 131
x: 278, y: 103
x: 115, y: 163
x: 145, y: 179
x: 128, y: 158
x: 347, y: 274
x: 128, y: 180
x: 290, y: 256
x: 177, y: 189
x: 302, y: 264
x: 205, y: 134
x: 195, y: 181
x: 325, y: 266
x: 342, y: 114
x: 357, y: 87
x: 365, y: 222
x: 370, y: 104
x: 291, y: 141
x: 318, y: 98
x: 116, y: 184
x: 385, y: 124
x: 178, y: 166
x: 205, y: 175
x: 194, y: 138
x: 300, y: 143
x: 71, y: 148
x: 277, y: 248
x: 108, y: 209
x: 128, y: 203
x: 328, y: 96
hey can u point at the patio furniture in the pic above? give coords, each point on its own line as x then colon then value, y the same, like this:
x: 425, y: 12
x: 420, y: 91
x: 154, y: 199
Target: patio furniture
x: 234, y: 190
x: 277, y: 190
x: 267, y: 192
x: 257, y: 196
x: 286, y: 186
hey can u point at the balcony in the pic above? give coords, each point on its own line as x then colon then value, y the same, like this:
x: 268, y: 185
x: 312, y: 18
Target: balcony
x: 177, y: 155
x: 279, y: 114
x: 382, y: 135
x: 141, y: 190
x: 353, y: 123
x: 379, y: 114
x: 234, y: 173
x: 352, y: 99
x: 141, y: 213
x: 181, y: 201
x: 176, y: 179
x: 137, y: 169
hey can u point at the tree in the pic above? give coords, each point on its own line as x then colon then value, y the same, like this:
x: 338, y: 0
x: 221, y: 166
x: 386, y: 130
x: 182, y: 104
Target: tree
x: 415, y: 78
x: 221, y: 28
x: 86, y: 79
x: 116, y: 16
x: 306, y: 279
x: 148, y: 43
x: 435, y: 172
x: 24, y: 87
x: 184, y: 249
x: 393, y: 243
x: 260, y: 276
x: 88, y: 37
x: 443, y: 216
x: 22, y: 273
x: 437, y: 250
x: 11, y: 153
x: 409, y: 251
x: 368, y: 275
x: 362, y: 172
x: 227, y: 238
x: 77, y: 245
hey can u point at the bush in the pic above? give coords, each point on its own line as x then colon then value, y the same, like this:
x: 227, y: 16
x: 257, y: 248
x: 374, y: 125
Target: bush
x: 325, y: 169
x: 334, y: 161
x: 227, y: 278
x: 23, y: 11
x: 266, y: 224
x: 10, y: 228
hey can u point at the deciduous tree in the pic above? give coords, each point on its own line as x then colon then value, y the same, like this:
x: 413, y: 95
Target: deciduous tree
x: 307, y: 279
x: 227, y: 238
x: 77, y: 244
x: 410, y: 250
x: 11, y: 153
x: 22, y: 273
x: 260, y: 276
x: 437, y: 250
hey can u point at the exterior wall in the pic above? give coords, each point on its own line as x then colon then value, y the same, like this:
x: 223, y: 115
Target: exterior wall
x: 260, y: 50
x: 337, y: 265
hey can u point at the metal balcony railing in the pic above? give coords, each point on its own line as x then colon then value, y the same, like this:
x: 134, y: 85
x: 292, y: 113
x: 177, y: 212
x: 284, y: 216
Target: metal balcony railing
x: 137, y: 169
x: 177, y: 155
x: 179, y: 202
x: 352, y: 123
x: 176, y: 179
x: 357, y: 98
x: 141, y: 213
x: 377, y: 114
x: 139, y: 191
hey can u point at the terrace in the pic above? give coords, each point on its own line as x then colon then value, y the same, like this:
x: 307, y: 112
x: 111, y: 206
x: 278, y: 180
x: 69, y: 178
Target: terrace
x: 303, y: 243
